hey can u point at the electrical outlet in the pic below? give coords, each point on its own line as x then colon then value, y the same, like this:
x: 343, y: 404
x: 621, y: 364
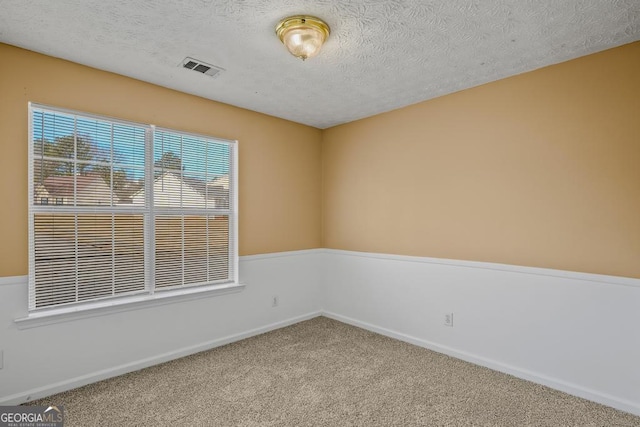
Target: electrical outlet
x: 275, y: 301
x: 448, y: 319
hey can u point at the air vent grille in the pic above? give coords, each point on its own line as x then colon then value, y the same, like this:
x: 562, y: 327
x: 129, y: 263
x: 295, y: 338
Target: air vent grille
x: 201, y: 67
x: 190, y: 64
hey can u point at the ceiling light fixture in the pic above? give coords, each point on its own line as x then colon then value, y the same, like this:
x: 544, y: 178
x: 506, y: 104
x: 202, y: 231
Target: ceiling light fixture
x: 303, y: 35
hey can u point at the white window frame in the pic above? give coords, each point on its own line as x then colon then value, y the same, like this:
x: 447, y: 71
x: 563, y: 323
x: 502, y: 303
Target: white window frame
x: 150, y: 296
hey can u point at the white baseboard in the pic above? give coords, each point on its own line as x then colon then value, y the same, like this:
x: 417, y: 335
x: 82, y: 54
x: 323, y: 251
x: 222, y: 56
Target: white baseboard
x: 93, y: 377
x: 566, y: 387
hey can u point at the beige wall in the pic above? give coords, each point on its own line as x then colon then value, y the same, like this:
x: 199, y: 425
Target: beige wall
x: 541, y: 169
x: 279, y: 160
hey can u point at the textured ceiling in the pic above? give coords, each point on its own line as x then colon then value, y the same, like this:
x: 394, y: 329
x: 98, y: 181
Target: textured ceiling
x: 381, y: 55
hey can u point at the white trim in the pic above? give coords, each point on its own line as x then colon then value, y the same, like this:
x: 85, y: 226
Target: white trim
x: 31, y: 278
x: 117, y: 305
x: 82, y: 380
x: 573, y: 389
x: 14, y: 280
x: 258, y: 257
x: 234, y: 243
x: 538, y: 271
x: 95, y: 116
x: 194, y: 134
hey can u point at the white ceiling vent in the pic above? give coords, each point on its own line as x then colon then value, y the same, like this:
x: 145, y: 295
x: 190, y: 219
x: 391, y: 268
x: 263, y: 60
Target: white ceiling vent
x: 201, y: 67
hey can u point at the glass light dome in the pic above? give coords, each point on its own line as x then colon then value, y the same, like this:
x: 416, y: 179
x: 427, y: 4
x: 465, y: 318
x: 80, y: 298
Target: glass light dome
x: 303, y: 35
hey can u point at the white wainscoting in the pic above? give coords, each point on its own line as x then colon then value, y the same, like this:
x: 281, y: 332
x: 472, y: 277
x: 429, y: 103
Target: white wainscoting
x: 47, y: 359
x: 575, y: 332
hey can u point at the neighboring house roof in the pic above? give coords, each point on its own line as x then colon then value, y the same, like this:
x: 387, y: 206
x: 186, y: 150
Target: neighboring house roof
x: 211, y: 190
x: 88, y: 186
x: 62, y: 186
x: 126, y: 194
x: 40, y: 191
x: 218, y: 189
x: 168, y: 187
x: 221, y: 181
x: 93, y: 186
x: 193, y: 190
x: 197, y: 184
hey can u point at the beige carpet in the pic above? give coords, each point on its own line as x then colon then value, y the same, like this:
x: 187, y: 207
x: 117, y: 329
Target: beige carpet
x: 325, y: 373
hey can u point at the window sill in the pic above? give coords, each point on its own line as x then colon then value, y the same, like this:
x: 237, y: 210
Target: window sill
x: 58, y: 315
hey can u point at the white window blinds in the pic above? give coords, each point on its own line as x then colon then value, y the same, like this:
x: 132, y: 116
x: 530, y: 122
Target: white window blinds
x: 192, y: 213
x: 119, y: 209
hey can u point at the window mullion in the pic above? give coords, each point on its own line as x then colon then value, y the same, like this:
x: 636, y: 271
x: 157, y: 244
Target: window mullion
x: 182, y: 255
x: 75, y: 203
x: 150, y: 218
x: 234, y: 257
x: 207, y: 243
x: 75, y: 163
x: 113, y: 254
x: 192, y: 211
x: 113, y: 216
x: 182, y: 216
x: 76, y: 264
x: 111, y: 143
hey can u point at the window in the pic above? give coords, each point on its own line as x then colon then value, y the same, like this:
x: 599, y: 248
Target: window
x: 119, y: 209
